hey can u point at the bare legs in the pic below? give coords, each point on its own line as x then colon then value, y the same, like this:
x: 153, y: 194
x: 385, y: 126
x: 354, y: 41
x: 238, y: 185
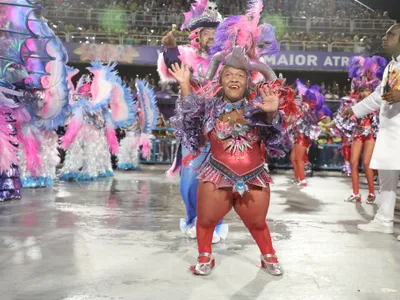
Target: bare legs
x: 297, y: 158
x: 369, y: 173
x: 356, y: 149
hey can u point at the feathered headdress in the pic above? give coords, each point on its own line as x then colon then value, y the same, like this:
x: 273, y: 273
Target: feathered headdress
x: 366, y: 72
x: 203, y: 13
x: 324, y: 112
x: 240, y: 42
x: 312, y: 96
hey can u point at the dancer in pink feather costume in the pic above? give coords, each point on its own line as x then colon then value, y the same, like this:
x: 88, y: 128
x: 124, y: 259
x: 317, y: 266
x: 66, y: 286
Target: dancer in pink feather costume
x: 98, y: 107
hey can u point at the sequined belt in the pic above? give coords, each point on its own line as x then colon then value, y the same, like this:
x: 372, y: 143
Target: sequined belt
x: 227, y: 172
x: 258, y: 176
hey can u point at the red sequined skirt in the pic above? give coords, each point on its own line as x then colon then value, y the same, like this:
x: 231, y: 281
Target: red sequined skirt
x: 303, y: 140
x: 363, y: 138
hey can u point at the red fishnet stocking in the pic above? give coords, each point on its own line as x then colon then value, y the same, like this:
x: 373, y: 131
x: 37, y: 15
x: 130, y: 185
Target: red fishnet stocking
x: 213, y: 204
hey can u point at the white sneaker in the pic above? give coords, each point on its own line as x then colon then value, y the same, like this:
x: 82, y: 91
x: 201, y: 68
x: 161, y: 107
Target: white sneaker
x: 376, y: 226
x: 191, y: 232
x: 216, y: 238
x: 302, y: 183
x: 398, y: 238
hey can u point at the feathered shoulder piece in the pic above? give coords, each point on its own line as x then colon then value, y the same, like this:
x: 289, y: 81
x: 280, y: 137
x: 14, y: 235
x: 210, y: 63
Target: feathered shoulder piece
x: 148, y: 112
x: 123, y: 112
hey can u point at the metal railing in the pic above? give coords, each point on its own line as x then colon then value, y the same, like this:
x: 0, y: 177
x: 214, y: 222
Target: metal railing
x: 163, y: 19
x: 371, y: 26
x: 321, y: 46
x: 93, y: 38
x: 155, y: 40
x: 286, y: 45
x: 162, y: 151
x: 329, y: 25
x: 322, y: 157
x: 112, y: 38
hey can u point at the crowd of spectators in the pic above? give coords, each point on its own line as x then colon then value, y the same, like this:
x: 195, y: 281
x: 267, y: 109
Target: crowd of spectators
x: 141, y: 22
x: 342, y: 9
x: 294, y: 41
x: 128, y: 5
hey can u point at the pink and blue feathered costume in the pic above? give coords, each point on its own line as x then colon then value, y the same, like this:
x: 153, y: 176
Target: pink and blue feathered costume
x: 138, y: 133
x: 97, y: 108
x: 36, y: 100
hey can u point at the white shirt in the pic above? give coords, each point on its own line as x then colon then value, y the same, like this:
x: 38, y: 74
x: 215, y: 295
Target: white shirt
x: 387, y: 148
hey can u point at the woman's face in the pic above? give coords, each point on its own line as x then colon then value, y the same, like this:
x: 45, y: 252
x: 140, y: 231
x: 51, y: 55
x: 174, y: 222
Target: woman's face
x: 364, y: 93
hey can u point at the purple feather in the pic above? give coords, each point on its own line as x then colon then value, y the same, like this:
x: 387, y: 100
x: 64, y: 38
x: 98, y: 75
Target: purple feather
x: 223, y: 36
x: 326, y: 111
x: 382, y: 63
x: 356, y: 64
x: 268, y: 40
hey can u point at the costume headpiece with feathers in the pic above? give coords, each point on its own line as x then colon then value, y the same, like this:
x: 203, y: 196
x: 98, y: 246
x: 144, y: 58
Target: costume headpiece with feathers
x: 240, y: 43
x: 366, y: 72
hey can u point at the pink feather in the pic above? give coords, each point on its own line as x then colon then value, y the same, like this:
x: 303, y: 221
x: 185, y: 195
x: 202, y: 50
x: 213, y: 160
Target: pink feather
x: 162, y: 69
x: 193, y: 37
x: 111, y: 137
x: 188, y: 56
x: 32, y: 144
x: 21, y: 114
x: 243, y: 30
x: 73, y: 128
x: 254, y: 10
x: 146, y: 144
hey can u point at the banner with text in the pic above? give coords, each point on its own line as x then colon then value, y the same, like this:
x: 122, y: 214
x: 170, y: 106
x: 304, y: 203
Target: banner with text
x: 124, y: 54
x: 147, y: 55
x: 296, y: 60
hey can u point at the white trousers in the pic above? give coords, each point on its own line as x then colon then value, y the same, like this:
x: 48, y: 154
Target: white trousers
x: 387, y: 198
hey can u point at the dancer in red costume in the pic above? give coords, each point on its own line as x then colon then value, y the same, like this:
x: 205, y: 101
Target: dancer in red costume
x: 363, y: 131
x: 242, y: 124
x: 304, y: 129
x: 235, y: 175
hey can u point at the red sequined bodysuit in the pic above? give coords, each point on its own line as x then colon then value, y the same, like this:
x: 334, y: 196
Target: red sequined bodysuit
x: 237, y: 158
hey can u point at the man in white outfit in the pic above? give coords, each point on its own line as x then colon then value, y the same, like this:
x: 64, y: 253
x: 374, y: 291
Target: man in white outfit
x: 386, y: 158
